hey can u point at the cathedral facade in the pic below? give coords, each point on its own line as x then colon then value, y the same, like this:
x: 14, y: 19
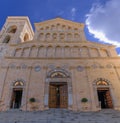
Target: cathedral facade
x: 56, y: 67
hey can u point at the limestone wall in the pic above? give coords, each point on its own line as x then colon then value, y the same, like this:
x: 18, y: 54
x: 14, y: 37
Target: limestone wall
x: 83, y: 74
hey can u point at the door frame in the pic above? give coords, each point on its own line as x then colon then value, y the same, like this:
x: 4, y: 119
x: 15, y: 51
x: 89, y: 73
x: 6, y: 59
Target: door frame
x: 65, y: 79
x: 12, y: 87
x: 105, y: 89
x: 95, y: 87
x: 16, y: 89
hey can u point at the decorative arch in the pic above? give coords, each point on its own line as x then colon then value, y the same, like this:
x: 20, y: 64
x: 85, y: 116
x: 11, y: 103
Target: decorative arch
x: 69, y: 36
x: 63, y: 27
x: 67, y: 51
x: 75, y: 51
x: 69, y: 28
x: 58, y: 51
x: 59, y: 70
x: 100, y: 80
x: 41, y: 28
x: 94, y: 52
x: 62, y: 36
x: 75, y: 29
x: 18, y: 52
x: 53, y: 27
x: 34, y: 51
x: 47, y: 27
x: 41, y: 36
x: 76, y: 36
x: 47, y: 36
x: 18, y: 83
x: 41, y: 51
x: 104, y: 53
x: 50, y: 51
x: 54, y: 36
x: 84, y: 51
x: 25, y: 52
x: 58, y: 26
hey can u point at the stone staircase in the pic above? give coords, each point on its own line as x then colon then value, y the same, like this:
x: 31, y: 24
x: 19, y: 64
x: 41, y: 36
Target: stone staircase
x: 59, y: 116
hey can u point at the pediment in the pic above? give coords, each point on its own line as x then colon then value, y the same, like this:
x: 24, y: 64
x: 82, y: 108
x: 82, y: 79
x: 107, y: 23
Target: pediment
x: 59, y: 30
x: 59, y: 22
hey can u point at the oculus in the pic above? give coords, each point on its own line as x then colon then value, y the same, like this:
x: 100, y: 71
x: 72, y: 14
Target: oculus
x: 37, y: 68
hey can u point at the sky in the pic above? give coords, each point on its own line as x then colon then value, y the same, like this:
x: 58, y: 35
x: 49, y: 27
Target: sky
x: 101, y: 17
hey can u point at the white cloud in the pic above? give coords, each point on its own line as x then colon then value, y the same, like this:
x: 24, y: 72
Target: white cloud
x: 103, y: 21
x: 73, y: 13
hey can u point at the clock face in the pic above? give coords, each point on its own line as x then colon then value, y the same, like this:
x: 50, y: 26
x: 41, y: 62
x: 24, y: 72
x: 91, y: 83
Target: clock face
x: 37, y: 68
x: 80, y: 68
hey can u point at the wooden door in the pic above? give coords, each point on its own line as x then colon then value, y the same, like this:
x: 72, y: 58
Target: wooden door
x: 63, y: 96
x: 52, y: 96
x: 58, y: 95
x: 109, y: 99
x: 16, y: 98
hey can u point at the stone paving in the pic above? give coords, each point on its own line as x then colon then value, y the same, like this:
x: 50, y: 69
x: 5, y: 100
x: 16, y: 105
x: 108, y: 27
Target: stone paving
x: 60, y: 116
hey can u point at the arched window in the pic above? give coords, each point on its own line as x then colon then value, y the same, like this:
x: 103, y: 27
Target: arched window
x: 26, y: 37
x: 7, y: 39
x: 12, y: 29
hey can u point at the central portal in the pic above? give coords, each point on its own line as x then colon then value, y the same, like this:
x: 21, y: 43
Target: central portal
x: 58, y: 95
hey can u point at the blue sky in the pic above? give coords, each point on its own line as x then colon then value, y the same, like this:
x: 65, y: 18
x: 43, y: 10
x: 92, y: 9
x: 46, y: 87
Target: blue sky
x: 96, y: 14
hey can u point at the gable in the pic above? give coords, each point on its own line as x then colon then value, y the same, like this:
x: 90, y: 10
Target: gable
x: 59, y: 30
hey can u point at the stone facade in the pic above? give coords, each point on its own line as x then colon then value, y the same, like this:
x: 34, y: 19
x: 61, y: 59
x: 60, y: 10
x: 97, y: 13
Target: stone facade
x: 57, y: 53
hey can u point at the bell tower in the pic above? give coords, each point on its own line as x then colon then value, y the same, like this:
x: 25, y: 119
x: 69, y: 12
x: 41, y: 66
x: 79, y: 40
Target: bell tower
x: 16, y: 30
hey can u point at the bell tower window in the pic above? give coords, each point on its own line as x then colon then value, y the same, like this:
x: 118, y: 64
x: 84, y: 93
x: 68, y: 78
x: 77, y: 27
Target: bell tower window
x: 7, y: 39
x: 12, y: 29
x: 26, y: 37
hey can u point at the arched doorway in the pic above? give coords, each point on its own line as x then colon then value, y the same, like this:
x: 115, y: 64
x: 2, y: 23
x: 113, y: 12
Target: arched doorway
x: 104, y: 94
x: 17, y: 92
x: 58, y: 89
